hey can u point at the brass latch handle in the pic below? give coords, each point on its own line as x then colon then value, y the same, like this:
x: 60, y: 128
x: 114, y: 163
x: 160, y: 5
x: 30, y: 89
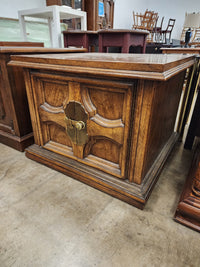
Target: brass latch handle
x: 76, y: 123
x: 79, y: 125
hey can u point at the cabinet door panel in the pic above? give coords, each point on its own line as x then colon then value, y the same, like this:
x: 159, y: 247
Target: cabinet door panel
x: 105, y: 107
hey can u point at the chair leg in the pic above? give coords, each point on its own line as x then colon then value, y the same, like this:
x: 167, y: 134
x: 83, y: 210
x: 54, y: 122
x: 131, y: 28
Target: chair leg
x: 165, y: 37
x: 170, y: 37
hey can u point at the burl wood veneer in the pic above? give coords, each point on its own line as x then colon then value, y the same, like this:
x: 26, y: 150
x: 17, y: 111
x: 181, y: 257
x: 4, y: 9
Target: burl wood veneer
x: 15, y: 124
x: 105, y: 119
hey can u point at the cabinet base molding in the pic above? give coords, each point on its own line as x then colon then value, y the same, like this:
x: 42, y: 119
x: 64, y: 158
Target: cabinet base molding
x: 187, y: 215
x: 132, y: 193
x: 18, y: 143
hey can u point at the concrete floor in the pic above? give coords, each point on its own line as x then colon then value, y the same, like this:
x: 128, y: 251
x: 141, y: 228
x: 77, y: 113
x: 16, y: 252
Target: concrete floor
x: 51, y: 220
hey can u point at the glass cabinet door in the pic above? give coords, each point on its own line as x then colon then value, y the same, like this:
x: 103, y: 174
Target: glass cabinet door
x: 76, y: 4
x: 67, y: 3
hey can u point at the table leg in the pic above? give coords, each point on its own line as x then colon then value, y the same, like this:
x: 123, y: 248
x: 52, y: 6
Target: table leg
x: 50, y: 22
x: 84, y: 22
x: 22, y: 27
x: 85, y: 41
x: 125, y: 48
x: 55, y: 28
x: 126, y: 43
x: 144, y: 45
x: 102, y: 48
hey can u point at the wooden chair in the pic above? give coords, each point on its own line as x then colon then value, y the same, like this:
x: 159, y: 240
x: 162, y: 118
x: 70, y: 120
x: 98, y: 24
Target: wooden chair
x: 196, y: 38
x: 142, y: 21
x: 158, y: 31
x: 168, y: 30
x: 151, y: 27
x: 145, y: 22
x: 137, y: 20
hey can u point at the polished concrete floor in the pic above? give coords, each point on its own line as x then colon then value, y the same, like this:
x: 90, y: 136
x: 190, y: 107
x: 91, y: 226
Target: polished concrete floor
x: 48, y: 219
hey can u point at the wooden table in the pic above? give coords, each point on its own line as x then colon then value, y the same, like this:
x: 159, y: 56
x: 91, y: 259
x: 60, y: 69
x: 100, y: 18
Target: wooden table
x: 54, y: 14
x: 10, y: 43
x: 122, y: 38
x: 15, y: 123
x: 181, y: 50
x: 105, y: 119
x: 86, y: 39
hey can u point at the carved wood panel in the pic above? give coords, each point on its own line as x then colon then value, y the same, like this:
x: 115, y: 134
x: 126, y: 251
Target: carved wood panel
x: 107, y: 108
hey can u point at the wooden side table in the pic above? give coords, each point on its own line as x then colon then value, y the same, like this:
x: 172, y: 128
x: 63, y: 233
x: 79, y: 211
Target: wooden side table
x: 54, y: 14
x: 105, y: 119
x: 86, y: 39
x: 122, y: 38
x: 15, y: 123
x: 37, y: 44
x: 180, y: 50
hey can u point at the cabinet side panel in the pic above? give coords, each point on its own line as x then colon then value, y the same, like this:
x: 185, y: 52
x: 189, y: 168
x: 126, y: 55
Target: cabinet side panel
x: 8, y: 122
x: 17, y: 83
x: 164, y: 111
x: 141, y: 117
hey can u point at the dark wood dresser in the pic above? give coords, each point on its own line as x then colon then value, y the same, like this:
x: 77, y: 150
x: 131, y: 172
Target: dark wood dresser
x: 15, y: 123
x: 105, y: 119
x: 188, y: 209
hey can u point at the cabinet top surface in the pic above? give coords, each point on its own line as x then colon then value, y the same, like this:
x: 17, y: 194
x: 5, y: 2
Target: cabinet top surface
x: 142, y: 66
x: 28, y: 49
x: 147, y: 62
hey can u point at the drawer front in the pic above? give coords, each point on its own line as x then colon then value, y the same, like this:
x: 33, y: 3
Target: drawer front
x: 87, y: 120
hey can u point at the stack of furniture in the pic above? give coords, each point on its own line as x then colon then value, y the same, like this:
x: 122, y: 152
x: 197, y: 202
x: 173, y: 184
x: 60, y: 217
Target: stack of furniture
x: 148, y: 21
x: 95, y: 115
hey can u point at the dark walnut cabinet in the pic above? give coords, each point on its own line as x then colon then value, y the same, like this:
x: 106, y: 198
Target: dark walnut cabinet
x: 15, y: 124
x: 95, y: 19
x: 105, y: 119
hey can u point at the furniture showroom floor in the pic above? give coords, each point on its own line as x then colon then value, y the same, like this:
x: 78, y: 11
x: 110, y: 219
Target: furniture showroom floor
x: 49, y: 219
